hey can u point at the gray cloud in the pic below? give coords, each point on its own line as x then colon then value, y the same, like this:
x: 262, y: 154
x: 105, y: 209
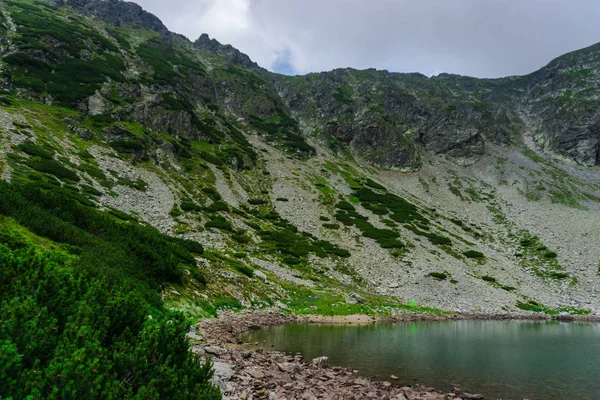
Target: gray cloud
x: 484, y: 38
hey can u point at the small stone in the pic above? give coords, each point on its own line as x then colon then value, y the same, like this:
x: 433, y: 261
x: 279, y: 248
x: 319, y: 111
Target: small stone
x: 355, y: 299
x: 321, y: 362
x: 246, y: 354
x: 255, y: 373
x: 215, y: 351
x: 393, y: 377
x: 470, y: 396
x: 260, y: 275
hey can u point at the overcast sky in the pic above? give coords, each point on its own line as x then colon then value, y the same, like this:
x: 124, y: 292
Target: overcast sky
x: 483, y: 38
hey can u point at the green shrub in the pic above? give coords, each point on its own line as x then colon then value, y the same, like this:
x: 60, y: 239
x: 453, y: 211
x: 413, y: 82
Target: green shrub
x: 401, y: 210
x: 213, y: 159
x: 87, y: 189
x: 558, y: 275
x: 344, y: 205
x: 76, y: 79
x: 53, y: 167
x: 526, y: 242
x: 199, y: 277
x: 5, y: 102
x: 531, y: 305
x: 217, y: 206
x: 473, y: 254
x: 242, y: 238
x: 438, y: 239
x: 292, y: 260
x: 229, y: 303
x: 440, y: 276
x: 340, y: 252
x: 35, y: 150
x: 488, y: 278
x: 128, y: 146
x: 371, y: 183
x: 257, y: 202
x: 219, y: 223
x: 189, y: 205
x: 282, y: 199
x: 138, y: 184
x: 387, y: 243
x: 331, y: 226
x: 212, y: 193
x: 175, y: 211
x: 249, y: 272
x: 76, y: 325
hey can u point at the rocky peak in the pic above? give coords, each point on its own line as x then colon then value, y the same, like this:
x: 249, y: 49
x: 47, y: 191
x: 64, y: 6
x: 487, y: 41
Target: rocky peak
x: 116, y: 13
x: 234, y: 56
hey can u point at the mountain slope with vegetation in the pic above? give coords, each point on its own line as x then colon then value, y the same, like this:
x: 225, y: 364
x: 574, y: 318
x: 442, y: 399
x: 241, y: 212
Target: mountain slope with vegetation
x: 148, y: 180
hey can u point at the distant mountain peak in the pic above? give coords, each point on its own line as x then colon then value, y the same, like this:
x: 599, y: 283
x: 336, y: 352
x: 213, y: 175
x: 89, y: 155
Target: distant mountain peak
x: 116, y: 13
x: 204, y: 42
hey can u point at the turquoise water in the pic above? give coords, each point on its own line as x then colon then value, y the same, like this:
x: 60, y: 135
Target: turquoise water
x: 501, y: 359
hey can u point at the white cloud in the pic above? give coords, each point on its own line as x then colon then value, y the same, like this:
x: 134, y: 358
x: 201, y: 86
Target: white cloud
x: 472, y: 37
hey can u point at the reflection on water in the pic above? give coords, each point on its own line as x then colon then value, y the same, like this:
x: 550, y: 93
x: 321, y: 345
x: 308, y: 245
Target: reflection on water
x: 502, y: 359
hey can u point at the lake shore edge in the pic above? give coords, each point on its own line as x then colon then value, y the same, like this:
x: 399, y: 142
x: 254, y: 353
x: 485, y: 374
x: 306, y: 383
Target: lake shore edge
x: 244, y: 373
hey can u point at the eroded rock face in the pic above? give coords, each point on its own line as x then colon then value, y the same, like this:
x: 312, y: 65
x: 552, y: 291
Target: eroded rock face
x: 562, y: 104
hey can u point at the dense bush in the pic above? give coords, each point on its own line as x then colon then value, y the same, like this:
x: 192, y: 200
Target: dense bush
x: 386, y: 238
x: 219, y: 223
x: 331, y: 226
x: 400, y: 209
x: 75, y: 322
x: 36, y: 150
x: 189, y: 205
x: 53, y: 167
x: 249, y: 272
x: 64, y: 216
x: 257, y: 202
x: 434, y: 238
x: 344, y: 205
x: 474, y: 254
x: 217, y: 206
x: 286, y: 239
x: 438, y: 275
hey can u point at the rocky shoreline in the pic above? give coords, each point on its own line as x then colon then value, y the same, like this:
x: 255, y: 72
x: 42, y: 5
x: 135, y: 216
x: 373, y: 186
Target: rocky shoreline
x: 257, y: 374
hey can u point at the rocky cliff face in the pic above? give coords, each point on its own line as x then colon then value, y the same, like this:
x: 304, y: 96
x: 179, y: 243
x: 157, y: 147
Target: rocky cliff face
x: 385, y: 118
x: 435, y: 189
x: 562, y: 103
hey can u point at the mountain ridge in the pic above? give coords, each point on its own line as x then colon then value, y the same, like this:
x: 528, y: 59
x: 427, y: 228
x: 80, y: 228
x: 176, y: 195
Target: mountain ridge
x: 464, y: 147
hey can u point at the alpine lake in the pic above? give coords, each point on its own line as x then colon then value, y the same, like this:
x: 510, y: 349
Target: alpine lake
x: 502, y: 359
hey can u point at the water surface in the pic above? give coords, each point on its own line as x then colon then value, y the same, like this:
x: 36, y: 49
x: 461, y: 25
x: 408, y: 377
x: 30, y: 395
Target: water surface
x: 501, y: 359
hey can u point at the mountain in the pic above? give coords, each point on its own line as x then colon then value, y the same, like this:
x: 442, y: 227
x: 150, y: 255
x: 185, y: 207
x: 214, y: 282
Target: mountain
x: 145, y: 163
